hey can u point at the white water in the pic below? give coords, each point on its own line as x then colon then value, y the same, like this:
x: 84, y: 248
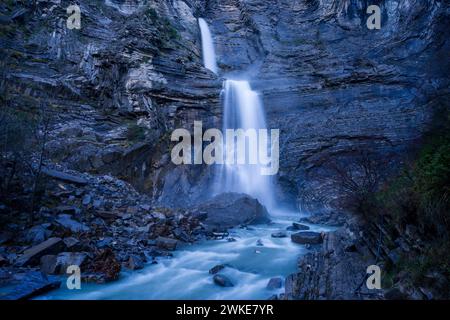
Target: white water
x: 208, y: 52
x: 186, y: 276
x: 243, y: 109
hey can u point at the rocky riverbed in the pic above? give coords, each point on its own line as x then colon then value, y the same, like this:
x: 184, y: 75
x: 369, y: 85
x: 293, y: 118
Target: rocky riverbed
x: 103, y: 225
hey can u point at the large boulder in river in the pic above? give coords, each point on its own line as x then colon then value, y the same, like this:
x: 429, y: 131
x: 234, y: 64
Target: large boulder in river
x: 166, y: 243
x: 228, y: 210
x: 58, y: 264
x: 222, y: 280
x: 307, y: 237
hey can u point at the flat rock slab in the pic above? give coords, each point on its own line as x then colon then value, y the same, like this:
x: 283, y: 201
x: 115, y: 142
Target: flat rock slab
x: 64, y: 176
x: 67, y: 222
x: 32, y: 284
x: 307, y: 237
x: 33, y: 255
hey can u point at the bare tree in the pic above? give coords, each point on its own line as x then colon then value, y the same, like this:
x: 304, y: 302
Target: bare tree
x: 358, y: 179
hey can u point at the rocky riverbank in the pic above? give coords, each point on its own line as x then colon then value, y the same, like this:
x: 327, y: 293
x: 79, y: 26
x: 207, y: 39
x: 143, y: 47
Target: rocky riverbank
x: 101, y: 224
x: 336, y: 269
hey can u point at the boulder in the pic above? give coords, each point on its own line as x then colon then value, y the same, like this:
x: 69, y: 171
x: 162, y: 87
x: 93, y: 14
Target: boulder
x: 48, y: 264
x: 307, y: 237
x: 86, y: 200
x: 67, y: 222
x: 37, y: 234
x: 216, y: 269
x: 31, y: 284
x: 275, y: 283
x: 166, y: 243
x: 104, y: 243
x: 229, y: 210
x: 279, y: 234
x: 299, y: 226
x: 57, y: 264
x: 222, y: 280
x: 66, y: 259
x: 72, y: 244
x: 33, y: 255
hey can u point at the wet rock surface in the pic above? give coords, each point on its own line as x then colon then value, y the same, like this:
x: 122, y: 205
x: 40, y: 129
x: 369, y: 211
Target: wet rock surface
x: 232, y: 209
x: 331, y: 272
x: 216, y: 269
x: 275, y: 283
x: 307, y: 237
x: 222, y: 281
x: 27, y: 285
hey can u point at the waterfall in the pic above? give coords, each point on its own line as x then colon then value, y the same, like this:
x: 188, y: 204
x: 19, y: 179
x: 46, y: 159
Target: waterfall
x: 209, y: 55
x: 242, y: 109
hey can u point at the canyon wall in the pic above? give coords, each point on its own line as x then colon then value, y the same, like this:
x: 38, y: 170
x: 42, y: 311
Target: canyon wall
x: 332, y: 86
x: 133, y: 72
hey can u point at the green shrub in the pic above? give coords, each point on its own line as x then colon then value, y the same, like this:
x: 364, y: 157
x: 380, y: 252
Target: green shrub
x: 432, y: 170
x: 420, y: 194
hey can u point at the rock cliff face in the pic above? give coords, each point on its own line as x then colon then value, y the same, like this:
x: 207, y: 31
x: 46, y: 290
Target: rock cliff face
x: 119, y: 85
x: 329, y: 83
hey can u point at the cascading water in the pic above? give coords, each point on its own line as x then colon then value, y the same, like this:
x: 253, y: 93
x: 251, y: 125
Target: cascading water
x: 209, y: 55
x: 243, y: 109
